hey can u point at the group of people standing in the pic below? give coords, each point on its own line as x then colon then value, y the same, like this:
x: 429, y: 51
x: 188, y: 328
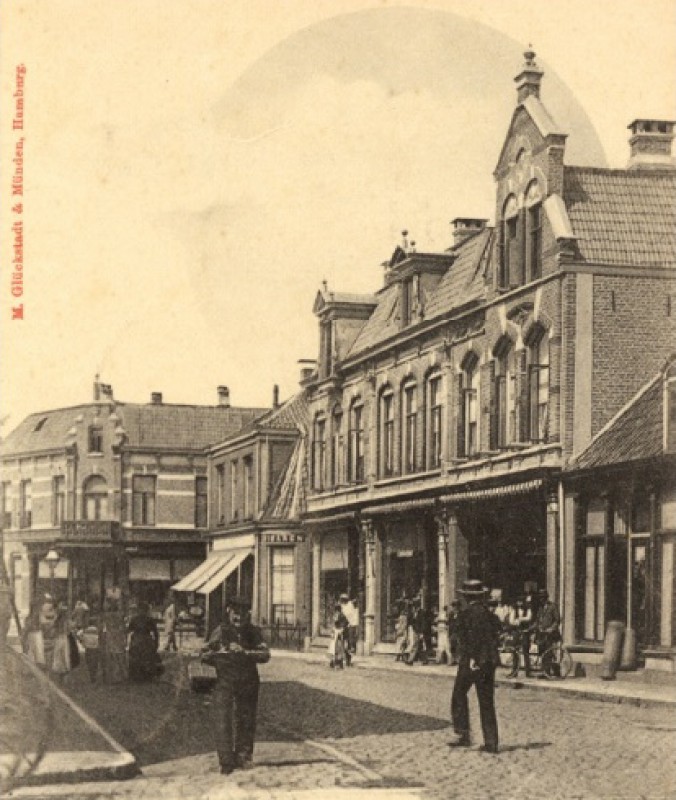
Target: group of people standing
x: 414, y: 632
x: 115, y: 647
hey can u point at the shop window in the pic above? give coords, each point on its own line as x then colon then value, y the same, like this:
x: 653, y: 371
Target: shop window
x: 640, y: 514
x: 283, y: 585
x: 25, y: 504
x: 433, y: 417
x: 337, y: 447
x: 319, y: 453
x: 95, y: 499
x: 95, y: 439
x: 386, y: 432
x: 201, y: 502
x: 58, y: 499
x: 537, y: 414
x: 143, y: 499
x: 410, y: 426
x: 592, y: 555
x: 5, y: 506
x: 356, y: 443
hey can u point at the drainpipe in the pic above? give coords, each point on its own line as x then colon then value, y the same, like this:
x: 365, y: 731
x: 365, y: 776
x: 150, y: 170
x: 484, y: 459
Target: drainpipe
x: 562, y: 558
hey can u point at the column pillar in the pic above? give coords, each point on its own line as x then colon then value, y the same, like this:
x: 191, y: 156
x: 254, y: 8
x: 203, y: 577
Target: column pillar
x: 458, y: 555
x: 316, y: 575
x: 552, y: 545
x: 369, y: 530
x: 443, y: 643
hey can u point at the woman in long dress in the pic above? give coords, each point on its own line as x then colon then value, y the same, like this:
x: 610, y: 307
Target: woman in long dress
x: 114, y: 642
x: 144, y: 661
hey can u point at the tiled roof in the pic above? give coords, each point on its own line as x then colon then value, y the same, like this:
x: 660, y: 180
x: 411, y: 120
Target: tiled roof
x: 635, y: 433
x: 154, y: 425
x: 291, y: 414
x: 288, y: 498
x: 463, y: 282
x: 623, y: 217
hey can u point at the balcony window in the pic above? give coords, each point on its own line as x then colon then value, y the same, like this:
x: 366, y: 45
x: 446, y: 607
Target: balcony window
x: 468, y: 408
x: 58, y: 499
x: 143, y: 499
x: 504, y: 410
x: 95, y: 500
x: 538, y: 389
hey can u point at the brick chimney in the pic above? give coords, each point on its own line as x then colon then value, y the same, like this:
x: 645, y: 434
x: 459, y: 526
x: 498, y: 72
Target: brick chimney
x: 528, y: 80
x: 307, y: 368
x: 650, y: 144
x: 156, y: 398
x: 275, y: 396
x: 466, y: 227
x: 223, y: 396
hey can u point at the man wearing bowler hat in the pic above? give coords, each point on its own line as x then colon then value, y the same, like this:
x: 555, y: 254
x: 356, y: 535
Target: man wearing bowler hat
x: 478, y: 632
x: 235, y: 647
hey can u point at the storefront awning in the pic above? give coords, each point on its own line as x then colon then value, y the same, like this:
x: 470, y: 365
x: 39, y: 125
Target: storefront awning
x: 494, y: 491
x: 212, y: 572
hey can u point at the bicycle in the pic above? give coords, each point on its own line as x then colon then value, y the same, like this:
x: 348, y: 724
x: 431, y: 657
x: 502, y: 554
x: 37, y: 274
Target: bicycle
x: 554, y: 662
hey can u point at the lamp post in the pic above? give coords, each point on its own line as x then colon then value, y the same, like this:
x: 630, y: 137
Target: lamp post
x: 52, y: 558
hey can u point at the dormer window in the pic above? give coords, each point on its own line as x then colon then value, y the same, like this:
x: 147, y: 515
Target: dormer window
x: 534, y: 230
x: 521, y: 239
x: 410, y: 299
x: 326, y: 348
x: 510, y: 245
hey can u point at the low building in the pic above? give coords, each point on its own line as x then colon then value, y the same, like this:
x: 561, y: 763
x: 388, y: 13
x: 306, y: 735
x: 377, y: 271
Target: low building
x: 620, y: 494
x: 118, y: 491
x: 257, y: 548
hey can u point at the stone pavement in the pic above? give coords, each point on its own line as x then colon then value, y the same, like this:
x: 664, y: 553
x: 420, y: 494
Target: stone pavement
x: 382, y: 732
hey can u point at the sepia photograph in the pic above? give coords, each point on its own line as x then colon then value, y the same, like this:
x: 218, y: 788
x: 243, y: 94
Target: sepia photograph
x: 337, y: 399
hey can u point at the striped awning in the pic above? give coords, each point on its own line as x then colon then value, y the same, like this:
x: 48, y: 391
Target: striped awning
x: 212, y: 572
x: 404, y: 505
x: 492, y: 492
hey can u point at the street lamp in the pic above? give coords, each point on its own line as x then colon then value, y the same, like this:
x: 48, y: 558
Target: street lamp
x: 52, y: 558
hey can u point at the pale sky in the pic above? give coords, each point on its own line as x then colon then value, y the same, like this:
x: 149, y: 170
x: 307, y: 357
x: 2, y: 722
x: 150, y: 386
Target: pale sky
x: 194, y: 170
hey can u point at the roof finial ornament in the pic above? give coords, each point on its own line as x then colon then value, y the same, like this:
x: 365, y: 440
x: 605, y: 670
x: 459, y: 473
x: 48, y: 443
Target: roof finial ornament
x: 528, y: 80
x: 529, y: 55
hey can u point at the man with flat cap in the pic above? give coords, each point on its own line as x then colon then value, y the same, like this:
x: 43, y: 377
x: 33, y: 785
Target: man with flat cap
x: 235, y: 647
x: 478, y: 632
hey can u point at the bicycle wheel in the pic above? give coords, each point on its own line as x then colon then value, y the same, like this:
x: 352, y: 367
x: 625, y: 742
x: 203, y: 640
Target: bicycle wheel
x: 556, y: 662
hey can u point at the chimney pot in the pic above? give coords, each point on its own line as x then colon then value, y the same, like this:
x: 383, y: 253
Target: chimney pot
x: 156, y: 398
x: 466, y: 227
x: 650, y: 144
x: 223, y: 396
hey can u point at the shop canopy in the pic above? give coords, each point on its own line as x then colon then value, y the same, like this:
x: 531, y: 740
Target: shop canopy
x: 212, y: 572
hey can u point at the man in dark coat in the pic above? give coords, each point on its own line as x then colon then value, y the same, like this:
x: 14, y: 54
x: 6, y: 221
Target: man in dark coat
x: 478, y: 632
x: 235, y: 648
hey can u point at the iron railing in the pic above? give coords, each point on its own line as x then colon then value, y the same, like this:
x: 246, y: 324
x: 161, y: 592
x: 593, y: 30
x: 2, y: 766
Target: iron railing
x: 284, y: 636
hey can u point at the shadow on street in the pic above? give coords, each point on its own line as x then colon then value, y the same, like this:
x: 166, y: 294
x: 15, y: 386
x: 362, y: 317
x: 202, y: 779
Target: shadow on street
x: 165, y: 720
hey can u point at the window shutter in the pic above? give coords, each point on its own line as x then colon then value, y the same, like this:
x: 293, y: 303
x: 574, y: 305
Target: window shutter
x: 460, y: 445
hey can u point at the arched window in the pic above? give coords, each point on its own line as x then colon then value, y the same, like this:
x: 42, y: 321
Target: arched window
x: 504, y: 426
x: 356, y: 442
x: 510, y: 262
x: 537, y: 417
x: 337, y: 463
x: 534, y: 230
x: 468, y: 407
x: 409, y: 416
x: 319, y: 452
x: 95, y: 501
x: 433, y: 419
x: 386, y: 432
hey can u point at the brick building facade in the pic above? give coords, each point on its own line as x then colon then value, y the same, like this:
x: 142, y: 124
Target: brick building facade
x: 118, y: 490
x: 445, y: 406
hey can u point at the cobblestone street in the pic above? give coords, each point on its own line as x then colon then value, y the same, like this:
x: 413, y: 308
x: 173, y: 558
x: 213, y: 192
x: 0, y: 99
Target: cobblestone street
x: 340, y: 731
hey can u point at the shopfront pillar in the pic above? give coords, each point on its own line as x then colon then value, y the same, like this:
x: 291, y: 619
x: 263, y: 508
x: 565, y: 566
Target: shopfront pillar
x: 369, y: 531
x: 458, y: 551
x: 553, y: 544
x: 316, y: 577
x: 443, y: 644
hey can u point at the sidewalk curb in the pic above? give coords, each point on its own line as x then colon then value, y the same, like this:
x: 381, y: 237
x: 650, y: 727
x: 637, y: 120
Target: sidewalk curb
x: 570, y: 687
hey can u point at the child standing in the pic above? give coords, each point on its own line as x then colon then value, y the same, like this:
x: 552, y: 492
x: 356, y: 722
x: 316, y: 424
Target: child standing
x: 336, y: 651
